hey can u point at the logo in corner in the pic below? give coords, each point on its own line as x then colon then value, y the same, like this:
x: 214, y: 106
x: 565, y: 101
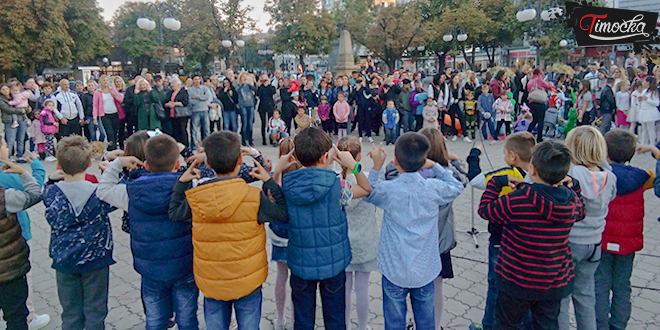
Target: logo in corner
x: 600, y: 26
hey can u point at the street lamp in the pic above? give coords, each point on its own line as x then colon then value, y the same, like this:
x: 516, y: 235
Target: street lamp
x: 563, y: 43
x: 170, y: 22
x: 529, y: 13
x: 461, y: 36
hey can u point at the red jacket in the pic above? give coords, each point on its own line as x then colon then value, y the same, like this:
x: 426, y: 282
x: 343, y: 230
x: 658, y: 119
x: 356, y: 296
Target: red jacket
x: 624, y: 223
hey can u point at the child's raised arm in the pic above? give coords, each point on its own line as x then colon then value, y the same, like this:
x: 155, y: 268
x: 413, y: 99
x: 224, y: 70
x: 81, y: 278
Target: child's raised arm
x: 16, y: 200
x: 475, y: 175
x: 344, y: 158
x: 492, y: 206
x: 109, y: 189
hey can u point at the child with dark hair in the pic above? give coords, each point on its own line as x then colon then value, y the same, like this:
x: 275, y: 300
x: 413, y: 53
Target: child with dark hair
x: 624, y: 230
x: 534, y: 268
x: 319, y: 251
x: 162, y: 248
x: 607, y: 105
x: 409, y: 231
x: 228, y: 215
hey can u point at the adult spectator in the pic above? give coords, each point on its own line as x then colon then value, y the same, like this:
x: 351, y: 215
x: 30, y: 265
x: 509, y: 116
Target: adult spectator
x: 328, y: 79
x: 87, y: 100
x: 275, y: 81
x: 146, y: 101
x: 246, y: 102
x: 107, y: 107
x: 288, y: 107
x: 129, y: 125
x: 500, y: 84
x: 454, y: 108
x: 176, y: 107
x: 31, y: 85
x: 537, y: 104
x: 150, y: 78
x: 68, y: 110
x: 632, y: 74
x: 200, y: 98
x: 229, y: 98
x: 12, y: 133
x: 592, y: 75
x: 265, y: 92
x: 162, y: 90
x: 230, y: 75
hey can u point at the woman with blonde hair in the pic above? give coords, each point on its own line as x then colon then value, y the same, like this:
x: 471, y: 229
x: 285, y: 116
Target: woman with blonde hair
x: 146, y: 101
x: 107, y: 107
x: 589, y: 157
x: 119, y: 84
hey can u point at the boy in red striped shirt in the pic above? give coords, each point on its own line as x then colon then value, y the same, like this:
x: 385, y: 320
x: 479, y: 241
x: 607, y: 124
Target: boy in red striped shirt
x: 534, y: 267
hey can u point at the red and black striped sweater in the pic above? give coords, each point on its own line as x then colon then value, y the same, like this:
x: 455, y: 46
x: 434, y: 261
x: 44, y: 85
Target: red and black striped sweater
x: 534, y: 262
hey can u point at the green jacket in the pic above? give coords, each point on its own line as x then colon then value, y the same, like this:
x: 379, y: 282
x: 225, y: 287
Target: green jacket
x: 403, y: 100
x: 7, y: 110
x: 146, y: 114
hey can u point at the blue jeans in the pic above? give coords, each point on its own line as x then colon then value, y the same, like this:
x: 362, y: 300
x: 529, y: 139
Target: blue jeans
x: 333, y: 298
x: 16, y: 135
x: 91, y: 129
x: 217, y: 313
x: 489, y: 321
x: 407, y: 119
x: 394, y: 306
x: 160, y: 299
x: 613, y: 274
x: 390, y: 135
x: 230, y: 121
x: 491, y: 128
x: 247, y: 120
x: 586, y: 258
x: 200, y: 122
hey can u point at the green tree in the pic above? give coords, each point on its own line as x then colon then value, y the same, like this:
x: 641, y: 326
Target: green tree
x: 140, y: 45
x: 16, y: 20
x: 504, y: 27
x: 301, y: 28
x: 474, y: 21
x: 48, y: 40
x: 91, y: 36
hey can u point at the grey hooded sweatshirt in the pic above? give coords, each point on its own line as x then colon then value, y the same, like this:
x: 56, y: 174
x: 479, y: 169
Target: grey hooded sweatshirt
x: 598, y: 189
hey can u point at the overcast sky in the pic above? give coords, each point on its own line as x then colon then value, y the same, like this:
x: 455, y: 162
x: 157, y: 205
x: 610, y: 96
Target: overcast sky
x: 109, y: 7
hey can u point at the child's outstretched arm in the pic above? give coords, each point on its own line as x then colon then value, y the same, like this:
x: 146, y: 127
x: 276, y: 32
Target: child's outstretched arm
x: 449, y: 188
x: 344, y: 158
x: 109, y: 189
x: 476, y: 177
x: 16, y: 200
x: 377, y: 197
x: 270, y: 211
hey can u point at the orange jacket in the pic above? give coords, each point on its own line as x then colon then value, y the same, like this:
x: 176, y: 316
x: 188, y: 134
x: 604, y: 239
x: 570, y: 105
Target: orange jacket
x: 229, y: 244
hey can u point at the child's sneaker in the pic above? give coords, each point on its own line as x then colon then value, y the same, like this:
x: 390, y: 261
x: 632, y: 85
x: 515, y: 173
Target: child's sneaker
x: 371, y: 140
x: 494, y: 142
x: 476, y: 326
x: 467, y: 139
x: 14, y: 124
x: 454, y: 138
x: 50, y: 159
x: 39, y: 321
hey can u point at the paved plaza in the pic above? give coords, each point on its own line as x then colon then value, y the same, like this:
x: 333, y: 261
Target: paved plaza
x: 464, y: 294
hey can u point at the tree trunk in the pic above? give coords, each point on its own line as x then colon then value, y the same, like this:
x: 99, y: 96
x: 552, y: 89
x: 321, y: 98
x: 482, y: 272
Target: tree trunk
x: 301, y: 58
x: 441, y: 60
x: 390, y: 61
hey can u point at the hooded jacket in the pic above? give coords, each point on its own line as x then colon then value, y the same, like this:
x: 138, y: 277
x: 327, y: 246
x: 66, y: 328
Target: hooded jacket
x: 318, y: 245
x: 624, y: 223
x: 162, y: 249
x: 598, y: 189
x: 229, y: 243
x: 535, y: 261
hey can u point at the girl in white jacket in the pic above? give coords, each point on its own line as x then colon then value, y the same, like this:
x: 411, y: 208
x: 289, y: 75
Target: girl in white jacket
x: 648, y: 111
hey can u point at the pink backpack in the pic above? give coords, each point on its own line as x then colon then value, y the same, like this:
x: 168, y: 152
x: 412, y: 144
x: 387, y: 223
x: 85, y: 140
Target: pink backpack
x: 46, y: 115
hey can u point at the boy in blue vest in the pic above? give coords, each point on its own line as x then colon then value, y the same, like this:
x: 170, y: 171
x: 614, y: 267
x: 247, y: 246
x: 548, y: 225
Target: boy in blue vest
x: 162, y: 248
x: 318, y: 250
x: 80, y: 238
x: 408, y: 255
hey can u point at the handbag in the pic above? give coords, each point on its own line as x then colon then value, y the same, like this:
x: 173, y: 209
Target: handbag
x: 160, y: 110
x: 537, y: 95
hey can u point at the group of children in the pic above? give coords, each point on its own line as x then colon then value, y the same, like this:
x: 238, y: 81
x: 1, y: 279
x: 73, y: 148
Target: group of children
x: 554, y: 213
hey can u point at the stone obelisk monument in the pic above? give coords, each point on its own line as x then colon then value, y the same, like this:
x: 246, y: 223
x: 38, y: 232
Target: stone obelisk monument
x: 345, y: 61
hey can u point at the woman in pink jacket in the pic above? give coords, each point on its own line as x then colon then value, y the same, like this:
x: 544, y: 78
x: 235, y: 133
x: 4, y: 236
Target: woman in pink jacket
x: 107, y: 106
x: 538, y: 108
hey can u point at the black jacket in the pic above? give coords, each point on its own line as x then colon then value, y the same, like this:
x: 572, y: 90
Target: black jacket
x: 87, y: 100
x: 182, y: 97
x: 607, y: 103
x: 229, y: 102
x: 129, y: 99
x: 266, y: 102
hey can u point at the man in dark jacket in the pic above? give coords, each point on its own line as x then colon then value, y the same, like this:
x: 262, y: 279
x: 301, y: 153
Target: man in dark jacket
x: 607, y: 106
x: 265, y: 92
x: 128, y: 125
x: 362, y: 97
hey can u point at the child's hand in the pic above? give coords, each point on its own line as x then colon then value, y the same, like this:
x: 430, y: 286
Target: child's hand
x: 199, y: 148
x: 130, y: 162
x: 29, y: 157
x: 200, y: 158
x: 642, y: 149
x: 9, y: 167
x: 429, y: 163
x: 245, y: 151
x: 344, y: 158
x: 513, y: 181
x: 112, y: 155
x: 285, y: 162
x: 191, y: 173
x: 378, y: 155
x: 104, y: 165
x: 268, y: 166
x: 258, y: 172
x: 567, y: 181
x: 451, y: 156
x: 57, y: 175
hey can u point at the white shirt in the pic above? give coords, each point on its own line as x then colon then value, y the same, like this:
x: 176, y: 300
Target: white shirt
x: 109, y: 106
x: 68, y: 105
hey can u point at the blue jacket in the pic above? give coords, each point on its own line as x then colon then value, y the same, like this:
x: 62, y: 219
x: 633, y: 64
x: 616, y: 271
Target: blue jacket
x: 11, y: 180
x: 485, y: 104
x: 78, y: 243
x: 162, y: 249
x: 318, y: 232
x: 391, y: 121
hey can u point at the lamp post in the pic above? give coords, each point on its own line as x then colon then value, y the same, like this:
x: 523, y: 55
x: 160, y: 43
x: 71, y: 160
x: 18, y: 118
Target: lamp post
x: 239, y: 43
x: 461, y: 36
x: 170, y: 22
x: 529, y: 13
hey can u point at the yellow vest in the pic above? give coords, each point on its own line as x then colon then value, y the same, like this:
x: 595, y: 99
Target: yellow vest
x: 512, y: 171
x: 229, y: 244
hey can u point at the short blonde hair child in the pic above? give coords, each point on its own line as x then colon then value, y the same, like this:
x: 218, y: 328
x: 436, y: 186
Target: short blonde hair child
x: 587, y: 145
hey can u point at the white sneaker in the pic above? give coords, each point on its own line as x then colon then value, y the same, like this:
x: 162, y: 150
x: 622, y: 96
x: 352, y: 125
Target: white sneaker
x: 50, y: 159
x: 371, y: 140
x: 278, y: 326
x: 467, y: 139
x: 360, y: 140
x: 454, y: 138
x: 39, y: 321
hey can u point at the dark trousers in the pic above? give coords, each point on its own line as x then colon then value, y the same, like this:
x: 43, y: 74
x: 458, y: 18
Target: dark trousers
x: 166, y: 126
x: 377, y: 120
x: 507, y: 128
x: 111, y: 125
x: 586, y: 119
x: 538, y: 113
x: 127, y: 127
x: 327, y: 125
x: 455, y: 112
x: 13, y: 295
x: 288, y: 120
x: 364, y: 120
x: 264, y: 125
x: 72, y: 127
x: 303, y: 296
x: 180, y: 129
x: 419, y: 122
x: 84, y: 299
x: 511, y: 312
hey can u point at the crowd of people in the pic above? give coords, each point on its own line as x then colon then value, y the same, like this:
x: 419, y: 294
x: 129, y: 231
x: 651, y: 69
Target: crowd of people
x: 565, y: 218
